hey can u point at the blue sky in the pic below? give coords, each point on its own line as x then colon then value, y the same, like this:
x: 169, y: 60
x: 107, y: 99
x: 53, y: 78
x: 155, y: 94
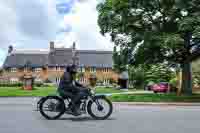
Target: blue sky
x: 31, y: 24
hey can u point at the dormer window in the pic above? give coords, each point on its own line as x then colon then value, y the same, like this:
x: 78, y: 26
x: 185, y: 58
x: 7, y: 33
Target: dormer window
x: 57, y: 68
x: 93, y: 69
x: 25, y: 69
x: 13, y: 70
x: 37, y: 69
x: 81, y: 69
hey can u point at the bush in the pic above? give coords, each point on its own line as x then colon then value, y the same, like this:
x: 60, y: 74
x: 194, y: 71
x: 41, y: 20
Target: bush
x: 136, y: 77
x: 38, y: 84
x: 48, y: 85
x: 173, y: 83
x: 99, y: 83
x: 8, y: 84
x: 47, y: 81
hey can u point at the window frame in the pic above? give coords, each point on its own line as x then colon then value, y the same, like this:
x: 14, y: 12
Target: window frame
x: 13, y: 70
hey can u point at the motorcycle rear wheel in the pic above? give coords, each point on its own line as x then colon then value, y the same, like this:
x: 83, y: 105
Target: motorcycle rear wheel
x: 59, y: 107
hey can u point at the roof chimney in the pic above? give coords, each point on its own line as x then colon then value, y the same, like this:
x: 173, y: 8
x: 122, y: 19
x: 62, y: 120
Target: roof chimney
x: 10, y: 49
x: 51, y: 45
x: 74, y: 53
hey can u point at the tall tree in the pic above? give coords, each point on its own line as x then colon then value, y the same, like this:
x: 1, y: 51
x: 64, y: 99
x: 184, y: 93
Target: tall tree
x: 155, y: 31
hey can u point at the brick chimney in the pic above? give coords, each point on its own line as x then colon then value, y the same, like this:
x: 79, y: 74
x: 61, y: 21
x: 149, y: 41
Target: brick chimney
x: 52, y: 45
x: 74, y: 46
x: 10, y: 49
x: 74, y: 53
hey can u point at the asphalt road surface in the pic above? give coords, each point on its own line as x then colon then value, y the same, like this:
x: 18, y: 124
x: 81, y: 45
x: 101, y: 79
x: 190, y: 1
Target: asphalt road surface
x: 21, y: 118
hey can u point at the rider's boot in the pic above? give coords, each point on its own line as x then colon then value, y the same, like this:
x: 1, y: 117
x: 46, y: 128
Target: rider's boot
x: 76, y: 110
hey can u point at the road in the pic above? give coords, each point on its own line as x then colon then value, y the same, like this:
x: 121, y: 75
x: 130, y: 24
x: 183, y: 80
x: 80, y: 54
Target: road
x: 21, y: 118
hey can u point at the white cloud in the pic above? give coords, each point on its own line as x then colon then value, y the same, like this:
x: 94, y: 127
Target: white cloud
x: 27, y: 23
x: 33, y: 23
x: 85, y: 30
x: 37, y: 19
x: 7, y: 23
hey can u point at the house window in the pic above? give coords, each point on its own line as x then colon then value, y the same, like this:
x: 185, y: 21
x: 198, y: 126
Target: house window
x: 81, y: 69
x: 58, y: 80
x: 57, y: 68
x: 93, y: 69
x: 38, y: 80
x: 38, y: 69
x: 62, y: 68
x: 26, y: 69
x: 13, y: 70
x: 14, y: 80
x: 106, y: 81
x: 105, y: 69
x: 83, y: 80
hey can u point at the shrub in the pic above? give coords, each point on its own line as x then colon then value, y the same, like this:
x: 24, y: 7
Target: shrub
x: 47, y: 81
x: 8, y: 84
x: 173, y: 84
x: 38, y: 84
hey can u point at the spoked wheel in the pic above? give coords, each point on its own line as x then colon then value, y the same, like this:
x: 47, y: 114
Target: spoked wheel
x: 52, y: 108
x: 101, y: 109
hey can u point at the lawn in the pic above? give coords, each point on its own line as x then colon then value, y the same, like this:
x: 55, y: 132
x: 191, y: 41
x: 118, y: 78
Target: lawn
x: 42, y: 91
x: 155, y: 98
x: 137, y: 97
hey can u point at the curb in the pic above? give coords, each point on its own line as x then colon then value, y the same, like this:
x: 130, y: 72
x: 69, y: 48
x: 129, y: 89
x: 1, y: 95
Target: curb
x: 35, y: 99
x: 155, y: 104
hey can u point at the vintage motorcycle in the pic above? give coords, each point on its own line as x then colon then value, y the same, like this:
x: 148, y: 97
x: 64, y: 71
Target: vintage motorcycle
x: 97, y: 106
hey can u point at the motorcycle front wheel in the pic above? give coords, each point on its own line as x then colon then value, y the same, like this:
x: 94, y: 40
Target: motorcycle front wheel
x: 52, y: 107
x: 100, y: 109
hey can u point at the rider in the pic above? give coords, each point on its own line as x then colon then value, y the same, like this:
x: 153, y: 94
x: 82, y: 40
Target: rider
x: 68, y: 87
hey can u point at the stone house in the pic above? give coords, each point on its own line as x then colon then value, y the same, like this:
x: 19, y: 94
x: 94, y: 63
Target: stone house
x: 50, y: 64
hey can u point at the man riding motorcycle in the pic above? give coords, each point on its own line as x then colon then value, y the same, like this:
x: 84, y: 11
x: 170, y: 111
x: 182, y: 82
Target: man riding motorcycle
x: 69, y: 88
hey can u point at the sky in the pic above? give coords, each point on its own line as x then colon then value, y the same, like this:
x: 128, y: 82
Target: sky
x: 31, y: 24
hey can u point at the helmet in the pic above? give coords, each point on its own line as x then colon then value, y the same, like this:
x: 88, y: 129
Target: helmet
x: 71, y: 69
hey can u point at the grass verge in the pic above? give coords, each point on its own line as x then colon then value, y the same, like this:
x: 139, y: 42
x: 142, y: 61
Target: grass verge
x: 41, y: 91
x: 156, y: 98
x: 44, y: 91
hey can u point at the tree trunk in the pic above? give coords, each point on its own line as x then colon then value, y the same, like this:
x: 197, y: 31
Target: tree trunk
x: 187, y: 78
x: 186, y: 67
x: 179, y: 83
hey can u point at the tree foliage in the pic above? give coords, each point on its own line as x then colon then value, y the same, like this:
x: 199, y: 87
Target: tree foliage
x: 154, y: 31
x: 196, y: 72
x: 142, y: 75
x: 160, y: 26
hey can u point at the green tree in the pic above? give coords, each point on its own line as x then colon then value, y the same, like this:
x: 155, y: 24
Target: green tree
x: 137, y: 77
x: 120, y: 59
x: 142, y: 75
x: 196, y: 72
x: 159, y: 73
x: 154, y: 31
x: 1, y: 72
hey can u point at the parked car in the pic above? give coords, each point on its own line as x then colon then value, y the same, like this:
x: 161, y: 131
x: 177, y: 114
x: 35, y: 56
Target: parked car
x: 163, y: 87
x: 149, y: 86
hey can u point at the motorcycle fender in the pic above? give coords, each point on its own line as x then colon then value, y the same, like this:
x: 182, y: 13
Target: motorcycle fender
x: 43, y: 98
x: 103, y: 95
x: 100, y: 96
